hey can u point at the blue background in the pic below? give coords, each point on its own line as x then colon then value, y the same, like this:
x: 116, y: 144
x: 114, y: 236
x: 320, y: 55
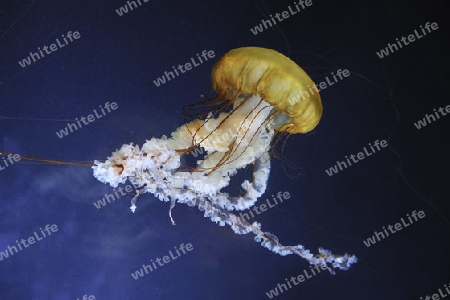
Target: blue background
x: 118, y: 57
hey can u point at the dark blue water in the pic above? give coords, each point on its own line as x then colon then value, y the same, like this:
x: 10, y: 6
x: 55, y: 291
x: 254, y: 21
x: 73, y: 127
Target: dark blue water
x: 111, y: 58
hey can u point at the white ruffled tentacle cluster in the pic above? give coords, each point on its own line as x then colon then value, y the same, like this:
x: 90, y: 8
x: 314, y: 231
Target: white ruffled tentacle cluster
x: 239, y: 138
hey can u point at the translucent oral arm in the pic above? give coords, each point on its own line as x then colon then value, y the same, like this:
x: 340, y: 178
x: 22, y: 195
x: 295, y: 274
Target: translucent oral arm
x: 156, y: 168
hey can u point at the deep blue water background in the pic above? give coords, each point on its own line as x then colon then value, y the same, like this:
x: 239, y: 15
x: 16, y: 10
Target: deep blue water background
x: 117, y: 58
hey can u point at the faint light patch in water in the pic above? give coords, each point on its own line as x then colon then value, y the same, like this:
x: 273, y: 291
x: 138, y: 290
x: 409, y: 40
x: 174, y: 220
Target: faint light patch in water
x: 64, y: 181
x: 10, y: 145
x: 70, y: 229
x: 117, y: 245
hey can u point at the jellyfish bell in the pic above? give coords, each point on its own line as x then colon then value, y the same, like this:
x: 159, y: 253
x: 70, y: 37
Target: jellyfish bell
x: 277, y: 80
x: 259, y: 84
x: 255, y: 89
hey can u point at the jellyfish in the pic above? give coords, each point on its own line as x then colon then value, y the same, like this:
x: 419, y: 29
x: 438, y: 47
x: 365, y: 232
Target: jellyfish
x: 255, y: 87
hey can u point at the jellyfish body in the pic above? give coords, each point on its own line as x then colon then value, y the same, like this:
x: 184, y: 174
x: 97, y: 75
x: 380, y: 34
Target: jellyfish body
x: 274, y: 78
x: 253, y: 85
